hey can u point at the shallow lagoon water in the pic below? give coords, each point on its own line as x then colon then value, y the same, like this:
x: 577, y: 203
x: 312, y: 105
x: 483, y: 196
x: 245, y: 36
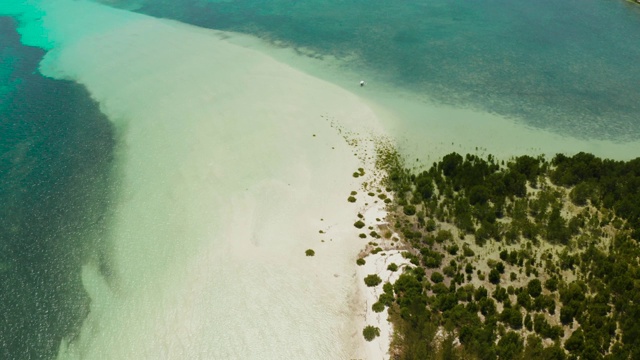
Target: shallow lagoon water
x: 569, y: 67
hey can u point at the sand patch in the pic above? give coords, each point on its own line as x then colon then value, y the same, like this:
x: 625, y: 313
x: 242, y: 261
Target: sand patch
x: 228, y: 167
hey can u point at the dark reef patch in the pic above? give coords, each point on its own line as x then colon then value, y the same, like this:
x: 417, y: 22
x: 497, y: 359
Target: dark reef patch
x: 56, y: 151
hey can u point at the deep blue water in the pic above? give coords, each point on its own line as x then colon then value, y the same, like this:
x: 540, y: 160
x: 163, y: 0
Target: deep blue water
x: 569, y: 66
x: 55, y: 160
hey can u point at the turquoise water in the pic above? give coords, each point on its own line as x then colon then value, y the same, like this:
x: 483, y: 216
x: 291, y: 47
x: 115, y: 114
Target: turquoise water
x: 571, y: 67
x: 568, y: 66
x: 55, y: 156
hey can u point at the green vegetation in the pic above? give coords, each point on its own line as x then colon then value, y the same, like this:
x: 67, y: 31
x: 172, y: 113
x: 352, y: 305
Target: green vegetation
x: 359, y: 224
x: 310, y: 252
x: 377, y: 307
x: 436, y: 277
x: 360, y: 261
x: 351, y: 199
x: 372, y: 280
x: 556, y: 241
x: 370, y: 332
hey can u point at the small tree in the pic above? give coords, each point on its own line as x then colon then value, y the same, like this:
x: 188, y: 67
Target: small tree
x: 310, y: 252
x: 360, y: 262
x: 370, y: 332
x: 372, y: 280
x: 359, y: 224
x: 378, y: 306
x: 409, y: 210
x: 494, y: 276
x: 392, y: 267
x: 436, y: 277
x: 551, y: 284
x: 534, y: 288
x: 431, y: 225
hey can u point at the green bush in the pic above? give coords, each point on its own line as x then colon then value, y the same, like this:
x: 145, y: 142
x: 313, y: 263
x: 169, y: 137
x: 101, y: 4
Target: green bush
x: 386, y: 299
x: 372, y: 280
x: 409, y: 210
x: 359, y: 224
x: 388, y: 288
x: 436, y: 277
x: 513, y: 317
x: 534, y: 288
x: 468, y: 269
x: 360, y: 262
x: 392, y: 267
x: 431, y: 225
x: 494, y: 276
x: 466, y: 250
x: 310, y: 252
x: 551, y: 284
x: 370, y: 332
x: 581, y: 193
x: 376, y: 250
x: 443, y: 235
x: 351, y: 199
x: 377, y: 307
x: 449, y: 270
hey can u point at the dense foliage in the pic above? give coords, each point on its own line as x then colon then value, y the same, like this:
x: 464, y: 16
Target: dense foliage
x: 525, y: 260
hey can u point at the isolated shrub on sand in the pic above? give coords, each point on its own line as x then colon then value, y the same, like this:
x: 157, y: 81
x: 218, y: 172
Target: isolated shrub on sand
x: 360, y: 262
x: 310, y: 252
x: 359, y: 224
x: 370, y: 332
x: 372, y: 280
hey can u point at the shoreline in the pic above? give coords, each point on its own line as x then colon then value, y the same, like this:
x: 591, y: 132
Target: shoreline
x: 266, y: 208
x: 233, y: 164
x: 379, y: 347
x: 428, y: 130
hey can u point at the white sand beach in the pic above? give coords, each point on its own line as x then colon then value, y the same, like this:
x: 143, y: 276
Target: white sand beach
x: 377, y: 264
x: 228, y: 169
